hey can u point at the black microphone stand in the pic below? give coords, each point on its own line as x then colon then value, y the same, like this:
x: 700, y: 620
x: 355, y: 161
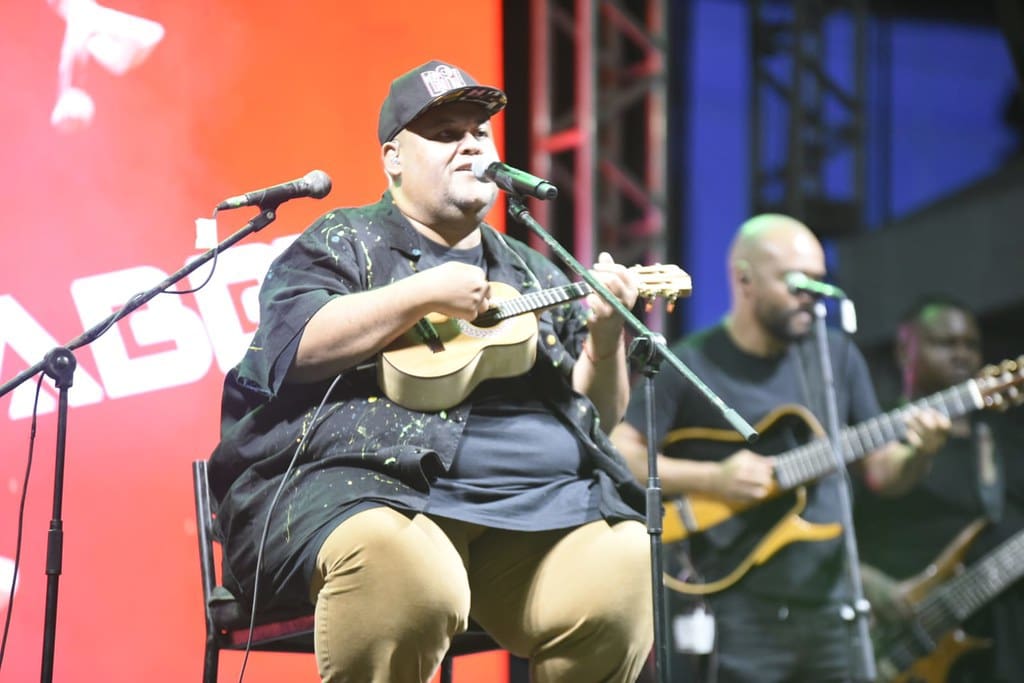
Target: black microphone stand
x: 856, y: 614
x: 653, y: 349
x: 59, y: 364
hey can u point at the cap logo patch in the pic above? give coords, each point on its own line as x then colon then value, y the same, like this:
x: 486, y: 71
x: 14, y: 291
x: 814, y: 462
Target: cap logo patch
x: 442, y: 79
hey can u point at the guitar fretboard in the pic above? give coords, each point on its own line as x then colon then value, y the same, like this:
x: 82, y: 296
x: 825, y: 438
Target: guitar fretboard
x: 534, y: 301
x: 814, y: 459
x: 963, y: 595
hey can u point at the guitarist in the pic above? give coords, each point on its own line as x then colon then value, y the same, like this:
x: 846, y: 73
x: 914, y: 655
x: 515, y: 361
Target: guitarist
x: 399, y: 525
x: 978, y: 474
x: 781, y: 621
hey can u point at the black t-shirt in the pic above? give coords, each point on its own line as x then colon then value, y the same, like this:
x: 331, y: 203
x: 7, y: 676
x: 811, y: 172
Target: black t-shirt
x: 755, y: 386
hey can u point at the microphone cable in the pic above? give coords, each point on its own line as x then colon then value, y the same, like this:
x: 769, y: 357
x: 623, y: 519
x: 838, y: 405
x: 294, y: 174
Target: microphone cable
x: 21, y: 520
x: 266, y: 522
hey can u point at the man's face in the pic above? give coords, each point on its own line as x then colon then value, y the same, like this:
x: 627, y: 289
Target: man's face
x: 784, y: 315
x: 942, y: 349
x: 436, y: 153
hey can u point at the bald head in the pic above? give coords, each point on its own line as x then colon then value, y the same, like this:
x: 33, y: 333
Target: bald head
x: 773, y: 236
x: 765, y: 315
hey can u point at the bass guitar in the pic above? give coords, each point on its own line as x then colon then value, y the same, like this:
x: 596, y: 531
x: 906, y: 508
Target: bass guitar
x: 996, y: 386
x: 925, y: 648
x: 437, y: 363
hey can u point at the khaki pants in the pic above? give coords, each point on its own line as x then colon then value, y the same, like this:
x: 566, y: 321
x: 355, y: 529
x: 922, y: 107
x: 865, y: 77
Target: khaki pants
x: 391, y: 591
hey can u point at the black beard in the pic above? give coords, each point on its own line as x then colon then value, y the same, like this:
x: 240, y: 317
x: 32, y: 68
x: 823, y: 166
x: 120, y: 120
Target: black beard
x: 780, y: 326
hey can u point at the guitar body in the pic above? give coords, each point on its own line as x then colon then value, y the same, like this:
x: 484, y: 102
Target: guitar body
x: 782, y: 429
x: 430, y: 377
x: 728, y: 537
x: 935, y: 667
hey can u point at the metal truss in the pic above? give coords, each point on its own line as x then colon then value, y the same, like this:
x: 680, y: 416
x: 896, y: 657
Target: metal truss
x: 598, y: 125
x: 807, y: 98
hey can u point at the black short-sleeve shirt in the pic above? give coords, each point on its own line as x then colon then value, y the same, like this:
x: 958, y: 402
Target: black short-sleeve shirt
x: 364, y: 449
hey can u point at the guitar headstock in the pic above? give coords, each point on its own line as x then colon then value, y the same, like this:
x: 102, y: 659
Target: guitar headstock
x: 1000, y: 384
x: 667, y: 281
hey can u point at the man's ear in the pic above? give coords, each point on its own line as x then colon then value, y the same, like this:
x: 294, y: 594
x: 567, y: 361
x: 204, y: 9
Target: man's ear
x: 392, y: 161
x: 742, y: 268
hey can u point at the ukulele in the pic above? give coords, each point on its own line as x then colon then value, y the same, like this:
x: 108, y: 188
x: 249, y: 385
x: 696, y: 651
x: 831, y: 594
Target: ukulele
x: 437, y: 364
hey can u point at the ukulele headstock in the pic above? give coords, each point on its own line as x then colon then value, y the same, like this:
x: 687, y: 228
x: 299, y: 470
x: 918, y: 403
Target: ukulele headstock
x: 666, y: 281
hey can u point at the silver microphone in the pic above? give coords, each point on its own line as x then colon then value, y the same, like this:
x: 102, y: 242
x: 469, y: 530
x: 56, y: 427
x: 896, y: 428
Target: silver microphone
x: 316, y: 184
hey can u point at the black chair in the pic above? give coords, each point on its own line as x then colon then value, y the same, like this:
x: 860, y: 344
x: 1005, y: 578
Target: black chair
x: 227, y: 618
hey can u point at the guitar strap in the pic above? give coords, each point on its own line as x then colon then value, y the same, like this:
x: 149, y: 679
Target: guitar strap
x: 990, y: 470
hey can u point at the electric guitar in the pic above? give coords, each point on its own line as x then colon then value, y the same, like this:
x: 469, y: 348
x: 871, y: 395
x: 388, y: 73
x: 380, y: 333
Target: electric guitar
x: 437, y: 363
x: 924, y: 649
x: 718, y: 519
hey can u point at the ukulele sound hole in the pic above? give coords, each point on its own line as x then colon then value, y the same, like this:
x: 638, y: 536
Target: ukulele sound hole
x: 488, y: 318
x: 474, y: 329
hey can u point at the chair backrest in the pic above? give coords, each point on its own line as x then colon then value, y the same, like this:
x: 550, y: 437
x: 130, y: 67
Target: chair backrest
x: 206, y: 534
x: 227, y: 618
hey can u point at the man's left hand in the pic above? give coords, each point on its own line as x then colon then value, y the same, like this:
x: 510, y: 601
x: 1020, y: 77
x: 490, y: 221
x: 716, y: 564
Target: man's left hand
x: 927, y: 430
x: 605, y: 324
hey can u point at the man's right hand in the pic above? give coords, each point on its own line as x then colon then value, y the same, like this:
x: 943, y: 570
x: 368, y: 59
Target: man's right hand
x: 744, y: 476
x: 349, y: 329
x: 457, y: 290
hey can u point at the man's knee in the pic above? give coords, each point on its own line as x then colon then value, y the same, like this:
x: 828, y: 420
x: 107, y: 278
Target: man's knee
x: 605, y: 606
x: 406, y: 563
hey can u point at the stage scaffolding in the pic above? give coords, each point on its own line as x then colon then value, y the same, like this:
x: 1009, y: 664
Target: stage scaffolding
x: 807, y: 104
x: 598, y: 80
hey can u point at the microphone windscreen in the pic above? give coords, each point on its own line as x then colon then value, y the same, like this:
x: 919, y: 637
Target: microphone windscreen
x: 481, y: 169
x: 319, y: 184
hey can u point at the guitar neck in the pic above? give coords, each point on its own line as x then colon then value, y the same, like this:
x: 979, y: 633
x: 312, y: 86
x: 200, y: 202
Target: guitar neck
x: 534, y: 301
x: 658, y: 280
x: 963, y: 595
x: 814, y: 459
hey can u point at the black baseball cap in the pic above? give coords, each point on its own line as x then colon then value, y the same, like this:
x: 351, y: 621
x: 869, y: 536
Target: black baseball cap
x: 430, y: 85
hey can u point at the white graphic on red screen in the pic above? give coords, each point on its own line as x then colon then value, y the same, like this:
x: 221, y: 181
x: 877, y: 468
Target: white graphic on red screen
x: 6, y: 579
x: 115, y: 40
